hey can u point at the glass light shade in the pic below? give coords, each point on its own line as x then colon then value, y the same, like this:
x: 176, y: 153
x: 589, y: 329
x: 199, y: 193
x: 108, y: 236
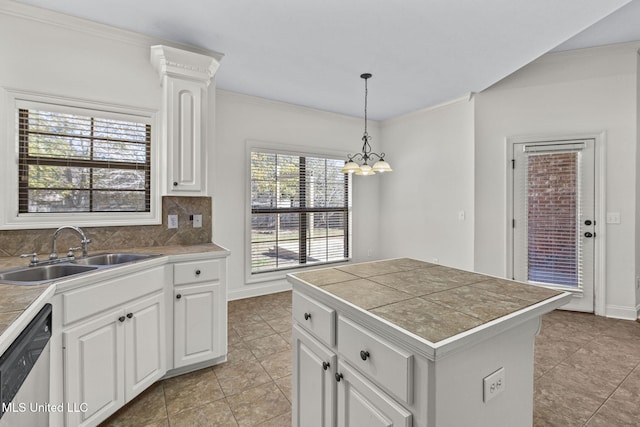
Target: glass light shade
x: 350, y: 167
x: 365, y: 170
x: 382, y: 166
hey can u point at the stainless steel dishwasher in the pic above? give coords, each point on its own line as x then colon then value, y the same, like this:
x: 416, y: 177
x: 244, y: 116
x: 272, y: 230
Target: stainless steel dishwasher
x: 24, y: 375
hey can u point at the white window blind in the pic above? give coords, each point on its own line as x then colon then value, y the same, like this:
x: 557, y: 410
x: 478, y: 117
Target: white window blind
x: 300, y: 211
x: 551, y: 189
x: 82, y: 163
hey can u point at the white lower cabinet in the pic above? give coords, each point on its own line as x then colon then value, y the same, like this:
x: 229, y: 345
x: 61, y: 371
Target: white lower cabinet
x: 199, y: 312
x: 195, y: 323
x: 360, y: 403
x: 327, y: 389
x: 111, y: 358
x: 314, y: 384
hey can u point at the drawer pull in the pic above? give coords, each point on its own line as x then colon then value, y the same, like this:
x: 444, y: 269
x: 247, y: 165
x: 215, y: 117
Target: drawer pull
x: 198, y: 272
x: 178, y: 296
x: 325, y: 365
x: 338, y: 377
x: 121, y: 318
x: 364, y: 355
x: 307, y: 316
x: 129, y: 315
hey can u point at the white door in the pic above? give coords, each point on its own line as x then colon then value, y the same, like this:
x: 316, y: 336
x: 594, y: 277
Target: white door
x: 314, y: 385
x: 94, y: 368
x: 554, y: 224
x: 144, y: 344
x: 360, y: 403
x: 196, y: 333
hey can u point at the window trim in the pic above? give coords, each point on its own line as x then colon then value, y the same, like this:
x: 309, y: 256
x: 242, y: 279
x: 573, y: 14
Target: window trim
x: 9, y: 216
x: 285, y: 149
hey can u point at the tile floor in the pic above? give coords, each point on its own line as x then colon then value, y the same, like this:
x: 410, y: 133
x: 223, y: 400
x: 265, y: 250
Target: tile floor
x: 587, y: 372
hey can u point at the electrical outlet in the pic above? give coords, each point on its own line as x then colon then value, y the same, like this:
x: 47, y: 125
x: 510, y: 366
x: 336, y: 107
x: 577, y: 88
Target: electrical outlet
x: 493, y: 385
x: 197, y: 221
x: 172, y: 221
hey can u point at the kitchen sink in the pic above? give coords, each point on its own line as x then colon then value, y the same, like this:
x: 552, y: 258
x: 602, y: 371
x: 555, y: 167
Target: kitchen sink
x: 43, y: 273
x: 111, y: 259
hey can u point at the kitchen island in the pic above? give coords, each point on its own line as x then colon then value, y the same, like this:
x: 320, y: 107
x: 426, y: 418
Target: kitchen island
x: 403, y: 342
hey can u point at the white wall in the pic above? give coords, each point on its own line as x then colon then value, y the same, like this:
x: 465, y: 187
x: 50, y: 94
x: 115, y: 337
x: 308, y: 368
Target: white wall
x: 68, y: 57
x: 578, y: 92
x: 431, y: 152
x: 241, y: 118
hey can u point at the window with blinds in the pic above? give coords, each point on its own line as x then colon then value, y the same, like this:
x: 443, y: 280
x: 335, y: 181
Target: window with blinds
x: 554, y: 251
x: 82, y: 163
x: 300, y: 211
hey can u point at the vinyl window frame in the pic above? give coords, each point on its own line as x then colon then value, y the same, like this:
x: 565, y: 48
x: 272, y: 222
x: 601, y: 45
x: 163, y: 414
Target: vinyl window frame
x: 294, y: 150
x: 11, y: 218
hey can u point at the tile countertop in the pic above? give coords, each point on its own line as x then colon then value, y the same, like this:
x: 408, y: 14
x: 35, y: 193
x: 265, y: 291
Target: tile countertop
x: 431, y: 301
x: 15, y: 299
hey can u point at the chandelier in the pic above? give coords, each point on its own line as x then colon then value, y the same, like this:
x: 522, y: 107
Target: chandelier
x: 366, y: 155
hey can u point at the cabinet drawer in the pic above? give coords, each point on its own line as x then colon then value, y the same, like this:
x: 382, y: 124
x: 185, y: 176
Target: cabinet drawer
x: 315, y: 317
x: 207, y: 270
x: 388, y: 366
x: 91, y: 299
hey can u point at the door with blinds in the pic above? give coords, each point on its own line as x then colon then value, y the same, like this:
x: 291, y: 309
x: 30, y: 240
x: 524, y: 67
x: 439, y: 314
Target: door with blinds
x: 553, y: 217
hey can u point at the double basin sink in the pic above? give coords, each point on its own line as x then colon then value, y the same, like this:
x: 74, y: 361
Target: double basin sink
x: 45, y: 273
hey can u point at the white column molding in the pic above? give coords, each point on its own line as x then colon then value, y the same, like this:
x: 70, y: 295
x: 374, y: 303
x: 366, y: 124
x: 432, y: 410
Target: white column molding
x: 182, y: 64
x: 185, y: 78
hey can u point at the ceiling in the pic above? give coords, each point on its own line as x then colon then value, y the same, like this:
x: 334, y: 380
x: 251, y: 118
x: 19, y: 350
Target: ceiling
x: 420, y: 52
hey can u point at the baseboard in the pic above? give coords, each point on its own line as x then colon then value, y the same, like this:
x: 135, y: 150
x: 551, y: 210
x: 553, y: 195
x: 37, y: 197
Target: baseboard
x: 620, y: 312
x: 258, y: 289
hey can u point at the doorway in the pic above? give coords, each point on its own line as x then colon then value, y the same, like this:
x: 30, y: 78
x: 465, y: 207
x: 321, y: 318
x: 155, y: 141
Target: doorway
x: 553, y: 217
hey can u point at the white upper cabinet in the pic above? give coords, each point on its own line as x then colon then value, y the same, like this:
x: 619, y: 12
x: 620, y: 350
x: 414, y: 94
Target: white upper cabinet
x: 185, y: 77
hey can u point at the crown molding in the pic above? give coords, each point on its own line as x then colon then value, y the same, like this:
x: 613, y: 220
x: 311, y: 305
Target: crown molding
x: 68, y: 22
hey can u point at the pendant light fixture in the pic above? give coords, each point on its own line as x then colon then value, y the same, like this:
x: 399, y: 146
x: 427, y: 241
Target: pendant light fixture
x: 366, y: 155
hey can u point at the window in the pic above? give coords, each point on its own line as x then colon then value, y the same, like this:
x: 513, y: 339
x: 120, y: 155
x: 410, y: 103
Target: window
x: 300, y: 211
x: 82, y: 163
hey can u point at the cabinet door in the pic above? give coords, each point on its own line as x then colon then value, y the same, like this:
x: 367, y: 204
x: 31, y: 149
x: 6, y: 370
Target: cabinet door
x: 197, y: 335
x: 94, y: 368
x: 145, y: 347
x: 314, y: 386
x: 360, y: 403
x: 186, y: 135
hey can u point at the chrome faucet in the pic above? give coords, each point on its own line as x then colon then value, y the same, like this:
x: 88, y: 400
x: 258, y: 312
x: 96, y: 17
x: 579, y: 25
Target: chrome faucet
x: 85, y: 241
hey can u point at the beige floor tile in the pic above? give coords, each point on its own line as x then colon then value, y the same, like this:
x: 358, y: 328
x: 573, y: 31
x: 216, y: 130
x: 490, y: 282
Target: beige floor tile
x: 252, y: 330
x: 280, y: 324
x: 236, y: 377
x: 285, y: 385
x: 212, y: 414
x: 553, y: 400
x: 283, y: 420
x: 191, y: 390
x: 258, y: 404
x: 263, y: 347
x: 278, y: 365
x: 146, y: 409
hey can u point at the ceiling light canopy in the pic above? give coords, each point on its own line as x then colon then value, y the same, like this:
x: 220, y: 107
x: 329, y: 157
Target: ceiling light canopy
x: 366, y: 155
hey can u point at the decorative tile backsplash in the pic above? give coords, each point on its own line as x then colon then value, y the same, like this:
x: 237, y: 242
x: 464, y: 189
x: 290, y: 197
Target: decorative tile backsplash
x: 16, y: 242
